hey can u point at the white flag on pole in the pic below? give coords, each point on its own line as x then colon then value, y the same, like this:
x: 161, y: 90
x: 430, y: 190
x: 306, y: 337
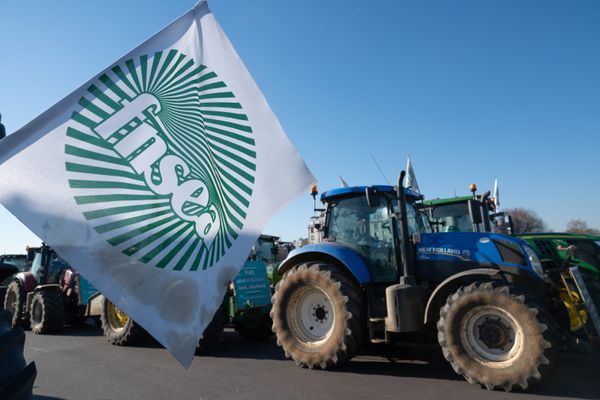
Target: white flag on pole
x: 411, y: 179
x: 155, y: 177
x: 496, y: 196
x: 344, y: 183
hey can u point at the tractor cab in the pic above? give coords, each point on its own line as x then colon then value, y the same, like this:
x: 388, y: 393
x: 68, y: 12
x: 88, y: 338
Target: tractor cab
x: 475, y: 213
x: 46, y: 265
x: 368, y: 224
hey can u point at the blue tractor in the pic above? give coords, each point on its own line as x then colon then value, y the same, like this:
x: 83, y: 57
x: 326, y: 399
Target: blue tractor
x: 381, y: 276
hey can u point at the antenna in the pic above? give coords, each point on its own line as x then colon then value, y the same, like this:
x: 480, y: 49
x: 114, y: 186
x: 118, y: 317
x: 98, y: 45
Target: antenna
x: 379, y: 168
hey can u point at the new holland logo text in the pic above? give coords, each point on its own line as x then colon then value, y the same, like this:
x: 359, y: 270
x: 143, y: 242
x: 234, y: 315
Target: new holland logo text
x: 161, y: 158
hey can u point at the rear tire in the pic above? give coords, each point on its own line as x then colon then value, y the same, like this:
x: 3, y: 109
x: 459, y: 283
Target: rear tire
x: 14, y: 300
x: 496, y: 336
x: 318, y: 316
x: 119, y: 329
x: 46, y: 315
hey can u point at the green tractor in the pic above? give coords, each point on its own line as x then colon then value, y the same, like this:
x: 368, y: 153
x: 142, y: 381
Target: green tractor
x: 249, y: 296
x: 571, y: 261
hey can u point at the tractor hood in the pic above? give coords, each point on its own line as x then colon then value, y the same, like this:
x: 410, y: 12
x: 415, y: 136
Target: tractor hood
x: 466, y: 250
x: 552, y: 247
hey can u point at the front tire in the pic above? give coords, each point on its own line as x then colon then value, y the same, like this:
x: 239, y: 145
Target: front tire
x: 46, y: 315
x: 496, y: 336
x: 14, y: 300
x: 318, y: 316
x: 119, y: 329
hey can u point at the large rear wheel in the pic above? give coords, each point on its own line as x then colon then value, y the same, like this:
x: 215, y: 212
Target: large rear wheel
x: 118, y: 328
x: 496, y: 336
x: 318, y: 316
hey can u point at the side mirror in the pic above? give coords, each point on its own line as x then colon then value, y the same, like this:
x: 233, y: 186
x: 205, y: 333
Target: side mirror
x: 373, y: 200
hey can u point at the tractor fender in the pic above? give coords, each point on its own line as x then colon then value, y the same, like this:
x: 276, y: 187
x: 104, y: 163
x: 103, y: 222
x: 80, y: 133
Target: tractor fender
x: 37, y: 289
x: 94, y: 306
x: 441, y: 292
x: 27, y: 280
x: 331, y: 252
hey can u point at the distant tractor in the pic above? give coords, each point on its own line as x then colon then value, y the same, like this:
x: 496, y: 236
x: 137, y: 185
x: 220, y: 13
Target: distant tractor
x: 571, y: 262
x: 49, y: 294
x: 381, y: 276
x: 249, y: 298
x: 10, y: 264
x: 246, y: 305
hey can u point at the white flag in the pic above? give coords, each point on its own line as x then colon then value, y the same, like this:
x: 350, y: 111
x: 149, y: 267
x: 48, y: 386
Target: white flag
x: 344, y: 183
x: 411, y: 179
x: 496, y: 196
x: 155, y: 177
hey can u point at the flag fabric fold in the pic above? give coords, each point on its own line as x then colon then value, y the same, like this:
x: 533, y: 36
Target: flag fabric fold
x: 155, y: 177
x: 411, y: 179
x: 496, y: 196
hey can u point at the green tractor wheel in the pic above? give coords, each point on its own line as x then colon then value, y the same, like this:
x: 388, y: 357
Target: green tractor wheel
x: 118, y: 328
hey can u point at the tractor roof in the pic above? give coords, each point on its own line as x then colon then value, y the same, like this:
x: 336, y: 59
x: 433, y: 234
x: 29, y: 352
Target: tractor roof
x: 557, y: 235
x: 356, y: 190
x: 448, y: 200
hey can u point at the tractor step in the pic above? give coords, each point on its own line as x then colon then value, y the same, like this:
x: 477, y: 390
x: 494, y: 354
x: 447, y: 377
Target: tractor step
x: 377, y: 330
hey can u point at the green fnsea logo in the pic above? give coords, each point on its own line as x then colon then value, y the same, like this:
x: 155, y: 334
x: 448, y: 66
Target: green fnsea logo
x: 161, y: 159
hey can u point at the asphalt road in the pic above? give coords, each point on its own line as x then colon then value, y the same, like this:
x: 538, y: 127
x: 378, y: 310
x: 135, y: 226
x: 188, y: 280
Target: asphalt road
x: 80, y: 364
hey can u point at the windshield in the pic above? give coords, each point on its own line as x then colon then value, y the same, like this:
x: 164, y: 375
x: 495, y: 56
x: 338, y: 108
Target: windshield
x: 265, y: 250
x: 36, y: 265
x: 416, y: 219
x: 452, y: 218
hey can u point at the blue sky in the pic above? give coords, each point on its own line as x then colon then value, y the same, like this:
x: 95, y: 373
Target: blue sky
x: 471, y: 90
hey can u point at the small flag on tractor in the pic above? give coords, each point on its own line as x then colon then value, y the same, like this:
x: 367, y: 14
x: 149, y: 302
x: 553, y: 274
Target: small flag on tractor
x: 344, y: 183
x: 156, y: 177
x: 411, y: 179
x: 496, y: 196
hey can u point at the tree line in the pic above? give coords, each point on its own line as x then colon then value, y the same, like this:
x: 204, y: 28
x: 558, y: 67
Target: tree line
x: 526, y: 220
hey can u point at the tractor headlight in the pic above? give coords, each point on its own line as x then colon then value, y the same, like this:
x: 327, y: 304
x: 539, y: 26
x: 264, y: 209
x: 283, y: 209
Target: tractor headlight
x: 536, y: 264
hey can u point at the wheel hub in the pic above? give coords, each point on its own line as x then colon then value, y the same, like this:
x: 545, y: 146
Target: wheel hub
x: 36, y: 314
x: 320, y: 313
x: 492, y: 336
x: 116, y: 318
x: 310, y: 314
